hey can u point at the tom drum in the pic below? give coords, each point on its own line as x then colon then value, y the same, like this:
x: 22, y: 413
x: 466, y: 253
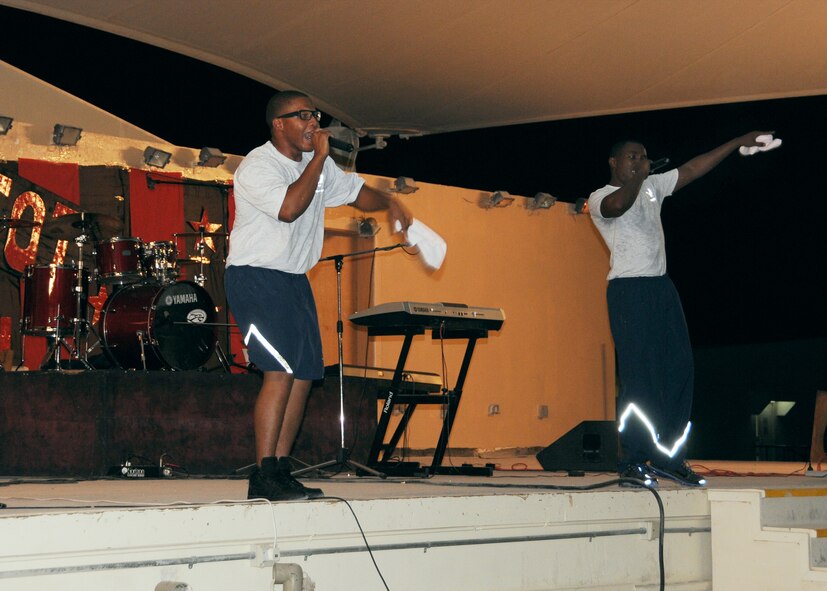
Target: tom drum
x: 119, y: 260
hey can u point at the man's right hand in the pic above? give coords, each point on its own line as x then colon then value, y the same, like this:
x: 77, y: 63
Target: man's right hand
x: 321, y: 143
x: 640, y: 171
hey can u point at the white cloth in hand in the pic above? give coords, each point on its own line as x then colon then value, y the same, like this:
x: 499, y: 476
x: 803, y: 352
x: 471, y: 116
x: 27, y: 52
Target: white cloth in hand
x: 432, y: 248
x: 766, y: 139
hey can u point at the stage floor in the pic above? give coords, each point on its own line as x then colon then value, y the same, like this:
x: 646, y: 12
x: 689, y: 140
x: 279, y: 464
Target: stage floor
x: 512, y: 475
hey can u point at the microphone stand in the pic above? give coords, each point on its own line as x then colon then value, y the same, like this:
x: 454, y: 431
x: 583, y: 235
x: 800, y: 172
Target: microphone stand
x: 343, y: 456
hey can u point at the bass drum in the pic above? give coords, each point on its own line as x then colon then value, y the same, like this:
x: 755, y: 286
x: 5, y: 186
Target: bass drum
x: 171, y: 325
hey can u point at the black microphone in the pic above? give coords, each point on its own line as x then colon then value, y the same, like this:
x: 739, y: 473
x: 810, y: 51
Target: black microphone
x: 657, y: 164
x: 340, y: 145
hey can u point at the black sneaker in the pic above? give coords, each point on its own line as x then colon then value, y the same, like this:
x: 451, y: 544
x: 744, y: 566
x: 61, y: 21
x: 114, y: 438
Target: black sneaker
x: 283, y: 469
x: 271, y: 487
x: 640, y: 474
x: 683, y: 474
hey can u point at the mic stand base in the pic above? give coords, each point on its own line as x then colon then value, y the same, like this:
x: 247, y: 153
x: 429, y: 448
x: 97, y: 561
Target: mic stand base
x: 342, y: 461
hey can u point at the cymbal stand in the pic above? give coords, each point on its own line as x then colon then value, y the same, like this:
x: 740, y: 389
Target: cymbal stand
x: 201, y: 278
x: 79, y: 320
x: 56, y: 341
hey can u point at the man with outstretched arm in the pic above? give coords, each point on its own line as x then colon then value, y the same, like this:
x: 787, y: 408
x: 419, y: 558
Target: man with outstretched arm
x: 654, y: 355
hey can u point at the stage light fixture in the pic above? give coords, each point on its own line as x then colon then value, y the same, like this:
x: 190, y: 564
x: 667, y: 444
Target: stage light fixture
x: 368, y: 228
x: 581, y: 205
x: 498, y: 199
x: 404, y: 185
x: 65, y: 135
x: 5, y: 124
x: 541, y: 201
x: 156, y: 157
x: 211, y: 157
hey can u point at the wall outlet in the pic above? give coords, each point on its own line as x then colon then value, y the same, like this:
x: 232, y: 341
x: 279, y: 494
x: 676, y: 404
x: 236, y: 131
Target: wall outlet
x: 542, y: 411
x: 493, y: 409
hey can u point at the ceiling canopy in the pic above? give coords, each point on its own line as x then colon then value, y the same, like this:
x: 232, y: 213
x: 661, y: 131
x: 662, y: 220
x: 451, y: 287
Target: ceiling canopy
x: 428, y: 66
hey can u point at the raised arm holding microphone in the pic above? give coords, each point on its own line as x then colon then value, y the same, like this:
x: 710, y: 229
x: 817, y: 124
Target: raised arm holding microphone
x: 654, y: 355
x: 281, y: 191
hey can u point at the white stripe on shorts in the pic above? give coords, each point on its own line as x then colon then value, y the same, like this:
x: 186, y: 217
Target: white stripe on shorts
x: 270, y: 349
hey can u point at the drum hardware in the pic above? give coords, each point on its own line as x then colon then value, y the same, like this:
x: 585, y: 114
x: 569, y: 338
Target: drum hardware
x: 200, y: 244
x: 81, y: 293
x: 80, y: 324
x: 201, y: 278
x: 141, y: 343
x: 49, y: 291
x: 160, y: 261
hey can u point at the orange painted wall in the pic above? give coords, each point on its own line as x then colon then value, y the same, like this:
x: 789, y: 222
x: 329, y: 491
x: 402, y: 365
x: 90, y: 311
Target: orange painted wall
x: 547, y: 270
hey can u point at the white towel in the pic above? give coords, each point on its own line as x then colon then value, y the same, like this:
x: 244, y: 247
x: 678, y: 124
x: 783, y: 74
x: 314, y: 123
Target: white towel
x: 766, y: 139
x: 432, y: 247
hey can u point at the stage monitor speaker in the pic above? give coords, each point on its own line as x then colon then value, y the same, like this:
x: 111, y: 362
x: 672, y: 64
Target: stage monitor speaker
x: 818, y: 447
x: 591, y: 446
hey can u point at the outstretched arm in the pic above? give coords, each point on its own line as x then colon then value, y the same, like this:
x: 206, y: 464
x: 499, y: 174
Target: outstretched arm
x: 702, y: 164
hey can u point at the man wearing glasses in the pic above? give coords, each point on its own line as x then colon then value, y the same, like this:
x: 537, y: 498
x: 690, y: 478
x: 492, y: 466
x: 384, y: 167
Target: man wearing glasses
x: 281, y: 191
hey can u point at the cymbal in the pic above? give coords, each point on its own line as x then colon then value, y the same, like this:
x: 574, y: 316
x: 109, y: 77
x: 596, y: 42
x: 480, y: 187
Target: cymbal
x: 71, y: 226
x: 204, y: 234
x: 15, y: 223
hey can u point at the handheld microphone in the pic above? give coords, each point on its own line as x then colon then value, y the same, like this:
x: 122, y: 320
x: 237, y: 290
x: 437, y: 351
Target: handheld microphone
x: 340, y: 145
x: 658, y: 164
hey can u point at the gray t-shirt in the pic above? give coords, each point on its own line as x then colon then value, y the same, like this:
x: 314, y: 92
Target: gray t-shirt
x: 635, y: 239
x: 258, y: 237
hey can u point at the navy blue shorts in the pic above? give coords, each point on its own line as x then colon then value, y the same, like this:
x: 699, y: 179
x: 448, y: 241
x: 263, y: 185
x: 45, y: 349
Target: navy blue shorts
x: 277, y: 316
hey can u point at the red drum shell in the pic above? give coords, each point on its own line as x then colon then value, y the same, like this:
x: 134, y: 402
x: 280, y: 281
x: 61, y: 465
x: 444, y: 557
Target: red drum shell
x: 119, y: 260
x: 168, y: 319
x: 50, y: 301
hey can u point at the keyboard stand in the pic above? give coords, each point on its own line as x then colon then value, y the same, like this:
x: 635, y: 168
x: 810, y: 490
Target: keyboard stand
x: 395, y: 395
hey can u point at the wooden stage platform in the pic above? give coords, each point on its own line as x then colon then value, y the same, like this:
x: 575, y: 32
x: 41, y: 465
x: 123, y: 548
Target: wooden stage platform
x: 63, y: 524
x: 83, y: 423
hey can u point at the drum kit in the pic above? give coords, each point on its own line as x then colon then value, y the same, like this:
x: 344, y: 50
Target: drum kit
x: 152, y: 319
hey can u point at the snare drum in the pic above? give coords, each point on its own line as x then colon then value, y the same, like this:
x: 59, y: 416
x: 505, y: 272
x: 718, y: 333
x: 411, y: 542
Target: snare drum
x: 50, y: 299
x: 119, y: 260
x: 160, y: 261
x: 169, y: 325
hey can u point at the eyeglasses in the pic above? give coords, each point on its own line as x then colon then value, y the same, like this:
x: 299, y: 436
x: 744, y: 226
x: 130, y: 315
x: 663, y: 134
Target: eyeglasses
x: 303, y: 114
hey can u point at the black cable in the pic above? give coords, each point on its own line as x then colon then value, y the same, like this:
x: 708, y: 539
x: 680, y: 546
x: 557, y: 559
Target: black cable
x: 361, y: 531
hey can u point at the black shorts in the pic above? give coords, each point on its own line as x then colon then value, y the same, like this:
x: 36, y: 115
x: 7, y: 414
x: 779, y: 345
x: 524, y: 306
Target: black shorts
x: 277, y: 316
